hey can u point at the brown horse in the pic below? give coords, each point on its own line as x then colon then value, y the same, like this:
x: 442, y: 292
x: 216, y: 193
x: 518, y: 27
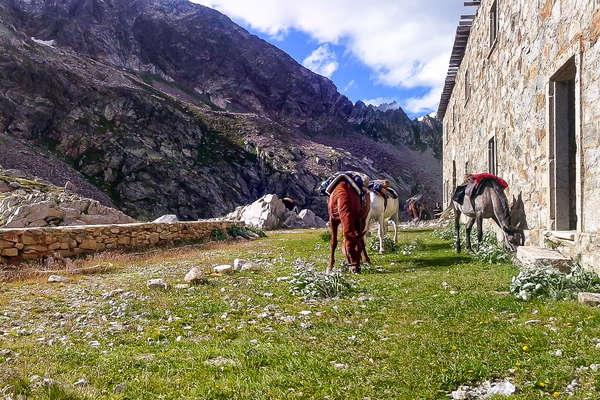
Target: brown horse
x: 346, y: 208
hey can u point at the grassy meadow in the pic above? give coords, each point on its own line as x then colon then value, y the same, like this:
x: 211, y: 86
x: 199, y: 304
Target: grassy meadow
x: 419, y: 323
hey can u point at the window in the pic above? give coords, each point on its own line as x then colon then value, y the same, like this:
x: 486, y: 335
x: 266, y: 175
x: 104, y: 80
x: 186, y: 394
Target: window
x: 492, y: 161
x: 453, y: 174
x: 467, y: 86
x: 563, y: 148
x: 494, y: 23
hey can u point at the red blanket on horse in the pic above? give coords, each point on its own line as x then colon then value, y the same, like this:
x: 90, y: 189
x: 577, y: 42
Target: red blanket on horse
x: 478, y: 178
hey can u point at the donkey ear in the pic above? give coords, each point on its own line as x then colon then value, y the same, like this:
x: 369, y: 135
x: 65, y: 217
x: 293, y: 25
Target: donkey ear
x: 519, y: 226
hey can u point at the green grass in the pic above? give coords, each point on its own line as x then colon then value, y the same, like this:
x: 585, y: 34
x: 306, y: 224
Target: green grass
x: 413, y: 339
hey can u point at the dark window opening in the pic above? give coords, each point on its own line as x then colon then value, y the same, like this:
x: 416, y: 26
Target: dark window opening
x: 494, y: 25
x: 563, y: 148
x: 492, y: 161
x: 453, y: 174
x: 467, y: 86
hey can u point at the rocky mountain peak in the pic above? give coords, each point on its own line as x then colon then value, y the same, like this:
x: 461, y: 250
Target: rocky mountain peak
x: 169, y: 107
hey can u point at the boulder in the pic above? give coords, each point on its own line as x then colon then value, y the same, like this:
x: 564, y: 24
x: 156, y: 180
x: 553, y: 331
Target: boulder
x: 311, y: 220
x: 592, y: 299
x: 223, y: 269
x: 244, y: 265
x: 170, y: 218
x: 57, y: 279
x: 194, y: 275
x: 157, y: 284
x: 269, y: 213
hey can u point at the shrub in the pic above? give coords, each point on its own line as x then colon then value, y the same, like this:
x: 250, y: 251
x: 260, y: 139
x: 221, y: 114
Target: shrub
x: 243, y: 231
x: 218, y: 235
x: 446, y: 232
x: 325, y: 237
x: 547, y: 281
x: 388, y: 244
x: 310, y: 283
x: 490, y: 251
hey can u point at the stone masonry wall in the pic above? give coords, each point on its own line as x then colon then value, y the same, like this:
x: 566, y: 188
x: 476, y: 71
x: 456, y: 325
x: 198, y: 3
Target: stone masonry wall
x: 509, y: 100
x: 36, y: 243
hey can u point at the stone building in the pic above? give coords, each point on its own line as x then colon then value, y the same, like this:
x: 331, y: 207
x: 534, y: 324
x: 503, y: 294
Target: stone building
x: 522, y: 100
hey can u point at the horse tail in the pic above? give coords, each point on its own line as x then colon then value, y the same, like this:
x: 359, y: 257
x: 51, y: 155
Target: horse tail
x: 446, y: 213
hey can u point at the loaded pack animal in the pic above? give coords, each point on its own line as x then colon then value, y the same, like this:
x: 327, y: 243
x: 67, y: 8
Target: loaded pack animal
x: 290, y: 204
x: 348, y: 206
x: 417, y: 208
x: 384, y: 207
x: 482, y: 196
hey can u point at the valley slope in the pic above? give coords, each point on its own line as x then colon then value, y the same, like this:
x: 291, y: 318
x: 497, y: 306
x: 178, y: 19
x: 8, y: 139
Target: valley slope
x: 169, y: 107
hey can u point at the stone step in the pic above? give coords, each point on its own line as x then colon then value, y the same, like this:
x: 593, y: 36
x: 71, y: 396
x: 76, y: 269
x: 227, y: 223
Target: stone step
x: 530, y: 256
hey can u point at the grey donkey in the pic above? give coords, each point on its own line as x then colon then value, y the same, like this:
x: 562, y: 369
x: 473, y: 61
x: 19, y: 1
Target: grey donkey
x: 491, y: 203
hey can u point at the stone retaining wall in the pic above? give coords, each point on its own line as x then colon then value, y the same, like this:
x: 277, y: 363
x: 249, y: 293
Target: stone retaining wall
x: 73, y: 241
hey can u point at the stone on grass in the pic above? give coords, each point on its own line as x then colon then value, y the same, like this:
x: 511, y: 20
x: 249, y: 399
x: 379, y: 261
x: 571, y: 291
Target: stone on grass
x: 250, y: 266
x: 592, y: 299
x: 505, y: 389
x: 120, y: 388
x: 195, y: 275
x: 81, y: 382
x: 245, y: 265
x: 157, y: 284
x: 223, y: 269
x: 57, y: 278
x: 182, y: 286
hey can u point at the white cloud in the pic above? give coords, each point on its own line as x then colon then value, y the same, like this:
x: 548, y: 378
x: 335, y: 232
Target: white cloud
x: 349, y: 85
x: 419, y: 105
x: 321, y: 61
x: 406, y: 43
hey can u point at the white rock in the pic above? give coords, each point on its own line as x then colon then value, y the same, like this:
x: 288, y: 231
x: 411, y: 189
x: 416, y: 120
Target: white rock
x: 182, y: 286
x: 237, y: 264
x: 194, y: 275
x: 170, y: 218
x: 81, y: 382
x: 57, y: 278
x: 250, y: 266
x: 305, y: 312
x: 311, y: 220
x: 120, y: 388
x: 501, y: 389
x: 532, y: 322
x: 223, y: 269
x: 94, y: 343
x: 340, y: 366
x: 157, y: 284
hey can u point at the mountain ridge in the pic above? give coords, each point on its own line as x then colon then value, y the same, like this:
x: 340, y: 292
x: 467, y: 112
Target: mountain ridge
x: 123, y: 114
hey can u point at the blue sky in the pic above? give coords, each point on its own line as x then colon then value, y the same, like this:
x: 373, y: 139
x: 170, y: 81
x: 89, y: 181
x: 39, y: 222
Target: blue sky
x: 376, y: 51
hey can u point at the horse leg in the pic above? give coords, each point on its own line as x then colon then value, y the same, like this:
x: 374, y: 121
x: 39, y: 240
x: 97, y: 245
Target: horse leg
x: 333, y: 226
x: 479, y: 232
x: 395, y: 222
x: 468, y: 229
x: 381, y: 234
x: 457, y: 228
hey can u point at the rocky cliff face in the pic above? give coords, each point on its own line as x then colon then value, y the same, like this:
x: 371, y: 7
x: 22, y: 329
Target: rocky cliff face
x: 169, y: 107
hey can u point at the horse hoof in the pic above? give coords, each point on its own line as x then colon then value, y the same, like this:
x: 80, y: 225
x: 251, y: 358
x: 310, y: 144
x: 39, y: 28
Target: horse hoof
x: 381, y: 251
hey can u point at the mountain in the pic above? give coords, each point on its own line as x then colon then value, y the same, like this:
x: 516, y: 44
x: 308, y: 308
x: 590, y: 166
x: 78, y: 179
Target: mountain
x: 165, y: 106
